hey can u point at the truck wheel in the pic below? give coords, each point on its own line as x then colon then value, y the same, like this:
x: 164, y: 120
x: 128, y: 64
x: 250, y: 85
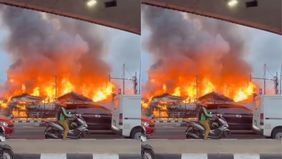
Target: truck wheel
x: 136, y: 134
x: 277, y: 133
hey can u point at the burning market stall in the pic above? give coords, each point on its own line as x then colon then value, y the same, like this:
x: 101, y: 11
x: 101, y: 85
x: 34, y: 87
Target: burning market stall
x: 215, y: 98
x: 24, y: 105
x: 170, y: 106
x: 73, y: 98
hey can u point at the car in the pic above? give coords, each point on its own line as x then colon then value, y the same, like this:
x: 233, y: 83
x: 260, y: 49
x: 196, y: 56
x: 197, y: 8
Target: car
x: 97, y: 117
x: 8, y: 125
x: 149, y: 125
x: 237, y: 116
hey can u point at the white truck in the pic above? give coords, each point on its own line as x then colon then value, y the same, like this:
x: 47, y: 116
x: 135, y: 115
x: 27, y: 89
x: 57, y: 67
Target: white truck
x: 126, y: 116
x: 267, y: 117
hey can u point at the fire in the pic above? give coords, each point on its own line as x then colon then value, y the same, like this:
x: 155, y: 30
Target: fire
x: 23, y: 88
x: 67, y: 86
x: 162, y: 112
x: 51, y: 90
x: 36, y: 91
x: 20, y: 110
x: 208, y: 86
x: 164, y: 88
x: 103, y: 93
x: 244, y: 92
x: 192, y: 90
x: 176, y: 91
x: 3, y: 104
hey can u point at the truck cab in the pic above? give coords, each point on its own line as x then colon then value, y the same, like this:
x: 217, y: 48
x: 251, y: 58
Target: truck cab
x: 126, y: 116
x: 267, y: 117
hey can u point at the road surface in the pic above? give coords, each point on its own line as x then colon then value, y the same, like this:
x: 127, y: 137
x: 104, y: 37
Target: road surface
x: 266, y: 146
x: 178, y: 132
x: 32, y: 131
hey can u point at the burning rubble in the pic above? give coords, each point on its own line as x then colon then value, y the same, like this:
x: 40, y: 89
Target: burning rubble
x: 52, y: 56
x: 194, y: 56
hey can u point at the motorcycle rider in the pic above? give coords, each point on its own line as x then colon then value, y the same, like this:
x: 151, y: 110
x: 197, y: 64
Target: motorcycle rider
x: 62, y: 118
x: 204, y: 119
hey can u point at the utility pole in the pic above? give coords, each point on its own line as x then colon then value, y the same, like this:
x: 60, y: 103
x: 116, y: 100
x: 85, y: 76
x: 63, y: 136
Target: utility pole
x: 275, y: 80
x: 197, y: 90
x: 276, y: 83
x: 123, y: 79
x: 281, y: 78
x: 56, y: 86
x: 133, y: 79
x: 135, y: 83
x: 264, y: 81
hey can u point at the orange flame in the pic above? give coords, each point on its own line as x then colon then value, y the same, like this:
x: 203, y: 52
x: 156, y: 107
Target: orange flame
x: 103, y: 93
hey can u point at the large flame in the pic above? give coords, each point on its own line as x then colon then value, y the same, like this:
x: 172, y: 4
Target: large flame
x: 51, y: 91
x: 192, y: 91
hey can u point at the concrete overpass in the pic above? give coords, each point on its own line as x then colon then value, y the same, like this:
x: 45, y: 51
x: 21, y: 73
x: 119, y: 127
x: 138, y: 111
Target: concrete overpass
x: 126, y: 14
x: 266, y: 15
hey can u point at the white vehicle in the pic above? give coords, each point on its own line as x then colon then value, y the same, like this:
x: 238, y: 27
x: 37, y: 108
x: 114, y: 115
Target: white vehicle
x: 268, y: 116
x: 126, y: 118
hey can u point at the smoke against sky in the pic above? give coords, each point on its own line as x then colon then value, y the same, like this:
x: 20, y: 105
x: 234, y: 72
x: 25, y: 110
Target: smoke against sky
x: 182, y: 44
x: 41, y: 45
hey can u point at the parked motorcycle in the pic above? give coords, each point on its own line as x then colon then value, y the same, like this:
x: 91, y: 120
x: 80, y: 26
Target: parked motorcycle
x: 146, y: 149
x: 219, y: 128
x: 6, y: 151
x: 77, y: 126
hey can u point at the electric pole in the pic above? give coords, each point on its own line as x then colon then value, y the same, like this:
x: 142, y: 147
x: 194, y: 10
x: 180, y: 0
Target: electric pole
x: 264, y: 81
x: 275, y: 80
x: 276, y: 83
x: 123, y: 79
x: 197, y: 90
x: 281, y: 78
x: 56, y: 86
x: 133, y: 79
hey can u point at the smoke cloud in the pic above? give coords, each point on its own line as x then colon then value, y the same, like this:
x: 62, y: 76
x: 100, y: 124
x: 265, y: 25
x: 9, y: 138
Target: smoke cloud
x: 45, y: 46
x: 184, y: 45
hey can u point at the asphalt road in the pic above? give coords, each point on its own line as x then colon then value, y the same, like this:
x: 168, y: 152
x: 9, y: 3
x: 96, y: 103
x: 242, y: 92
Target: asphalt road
x: 101, y: 146
x: 177, y: 132
x: 164, y: 146
x: 31, y: 131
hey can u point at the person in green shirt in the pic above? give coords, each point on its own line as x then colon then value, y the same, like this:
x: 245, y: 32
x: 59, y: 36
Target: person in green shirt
x: 63, y: 116
x: 204, y: 117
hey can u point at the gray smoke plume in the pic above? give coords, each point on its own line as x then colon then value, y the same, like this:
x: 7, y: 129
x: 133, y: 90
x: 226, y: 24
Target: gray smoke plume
x: 43, y: 46
x: 185, y: 45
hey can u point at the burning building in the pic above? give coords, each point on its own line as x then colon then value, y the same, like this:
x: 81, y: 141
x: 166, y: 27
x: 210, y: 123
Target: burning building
x: 22, y: 105
x: 170, y: 106
x: 52, y: 56
x: 194, y: 56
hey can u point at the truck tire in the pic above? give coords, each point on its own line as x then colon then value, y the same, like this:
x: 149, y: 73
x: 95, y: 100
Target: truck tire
x: 277, y: 133
x: 136, y: 133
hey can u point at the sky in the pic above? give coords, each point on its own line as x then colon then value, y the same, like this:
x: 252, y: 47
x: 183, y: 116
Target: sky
x: 261, y: 48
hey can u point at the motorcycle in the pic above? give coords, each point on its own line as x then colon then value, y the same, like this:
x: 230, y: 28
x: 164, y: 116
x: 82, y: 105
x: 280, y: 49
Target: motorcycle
x: 219, y: 128
x: 6, y: 151
x: 77, y: 125
x: 146, y: 149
